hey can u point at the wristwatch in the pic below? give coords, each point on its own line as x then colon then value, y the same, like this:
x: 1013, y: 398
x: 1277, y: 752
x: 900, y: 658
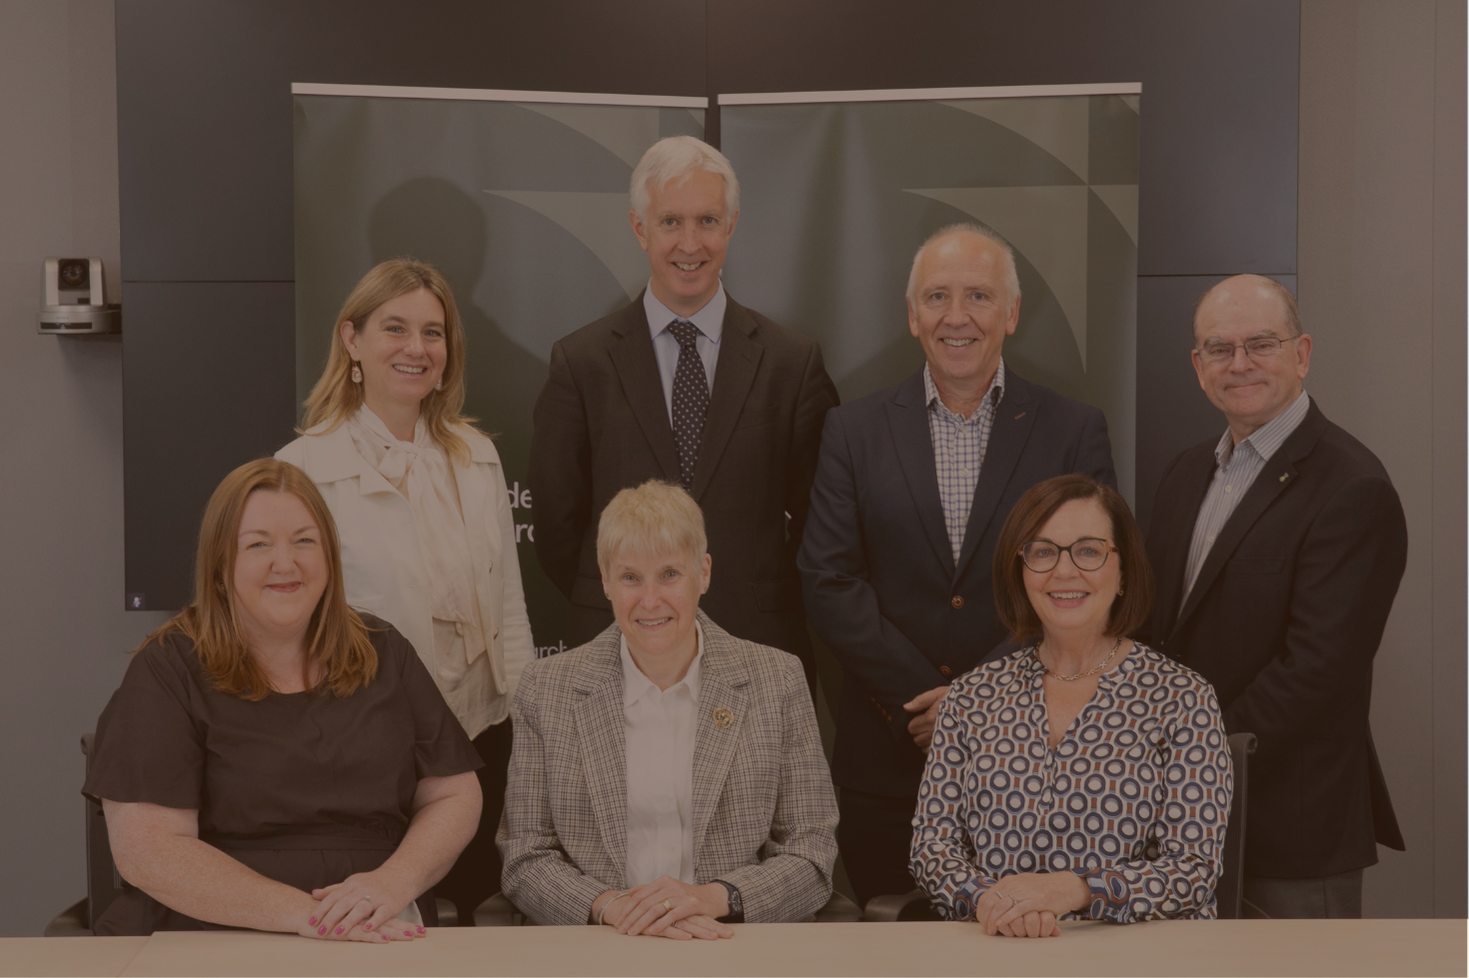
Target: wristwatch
x: 736, y: 913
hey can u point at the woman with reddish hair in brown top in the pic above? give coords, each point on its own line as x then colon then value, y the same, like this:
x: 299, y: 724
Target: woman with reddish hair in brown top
x: 272, y: 759
x: 1086, y: 775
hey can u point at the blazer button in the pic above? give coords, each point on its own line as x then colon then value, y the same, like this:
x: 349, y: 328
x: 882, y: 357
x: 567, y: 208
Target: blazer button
x: 945, y: 671
x: 491, y: 567
x: 957, y: 601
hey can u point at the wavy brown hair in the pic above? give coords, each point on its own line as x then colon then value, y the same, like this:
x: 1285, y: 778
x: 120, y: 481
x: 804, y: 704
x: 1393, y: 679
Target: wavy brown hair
x: 338, y: 649
x: 335, y: 397
x: 1040, y: 502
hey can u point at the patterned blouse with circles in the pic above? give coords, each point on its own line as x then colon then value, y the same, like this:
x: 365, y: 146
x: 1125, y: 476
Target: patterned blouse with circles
x: 1133, y: 799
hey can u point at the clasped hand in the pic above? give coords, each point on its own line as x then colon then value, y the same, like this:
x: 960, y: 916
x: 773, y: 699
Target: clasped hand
x: 1027, y: 904
x: 926, y: 706
x: 363, y: 907
x: 668, y: 907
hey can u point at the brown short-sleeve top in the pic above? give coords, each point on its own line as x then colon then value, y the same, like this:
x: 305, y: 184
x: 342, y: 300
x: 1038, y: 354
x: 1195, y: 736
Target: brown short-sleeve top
x: 305, y: 788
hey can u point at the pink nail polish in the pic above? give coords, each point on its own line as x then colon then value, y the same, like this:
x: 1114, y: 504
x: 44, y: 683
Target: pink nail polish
x: 408, y: 933
x: 422, y: 931
x: 384, y: 936
x: 321, y: 931
x: 312, y: 920
x: 339, y: 930
x: 367, y: 927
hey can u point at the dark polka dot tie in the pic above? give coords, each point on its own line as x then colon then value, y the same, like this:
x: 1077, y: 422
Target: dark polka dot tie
x: 690, y: 399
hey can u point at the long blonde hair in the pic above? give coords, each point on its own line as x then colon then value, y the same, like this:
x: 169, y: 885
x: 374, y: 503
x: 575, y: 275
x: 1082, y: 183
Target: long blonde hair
x: 335, y: 398
x: 338, y: 648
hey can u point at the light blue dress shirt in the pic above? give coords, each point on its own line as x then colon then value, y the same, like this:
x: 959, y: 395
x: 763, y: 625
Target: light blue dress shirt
x: 1235, y: 471
x: 709, y: 321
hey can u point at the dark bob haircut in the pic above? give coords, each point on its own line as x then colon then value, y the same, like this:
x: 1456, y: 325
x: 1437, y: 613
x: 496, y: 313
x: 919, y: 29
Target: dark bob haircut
x: 1012, y: 604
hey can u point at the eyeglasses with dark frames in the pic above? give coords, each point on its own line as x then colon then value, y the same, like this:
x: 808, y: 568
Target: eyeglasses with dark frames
x: 1088, y: 554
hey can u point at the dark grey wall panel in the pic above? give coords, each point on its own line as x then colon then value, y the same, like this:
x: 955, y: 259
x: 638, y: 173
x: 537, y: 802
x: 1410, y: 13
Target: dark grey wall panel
x: 204, y: 99
x: 1172, y: 411
x: 204, y: 390
x: 1219, y: 106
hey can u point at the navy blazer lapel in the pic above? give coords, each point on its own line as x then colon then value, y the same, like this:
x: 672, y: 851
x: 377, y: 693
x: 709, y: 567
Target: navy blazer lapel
x: 601, y: 727
x: 637, y: 369
x: 1277, y: 478
x: 1195, y: 472
x: 734, y: 373
x: 723, y: 682
x: 1014, y: 416
x: 908, y: 420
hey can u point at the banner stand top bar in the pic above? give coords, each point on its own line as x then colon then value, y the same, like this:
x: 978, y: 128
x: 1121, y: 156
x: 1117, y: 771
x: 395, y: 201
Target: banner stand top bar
x: 931, y: 94
x: 501, y: 95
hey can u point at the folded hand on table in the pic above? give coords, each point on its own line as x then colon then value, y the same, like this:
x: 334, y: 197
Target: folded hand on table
x: 667, y: 907
x: 1027, y: 904
x: 363, y: 907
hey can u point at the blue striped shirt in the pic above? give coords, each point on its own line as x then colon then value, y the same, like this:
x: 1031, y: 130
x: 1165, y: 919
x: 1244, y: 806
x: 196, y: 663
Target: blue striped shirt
x: 959, y: 446
x: 1238, y: 465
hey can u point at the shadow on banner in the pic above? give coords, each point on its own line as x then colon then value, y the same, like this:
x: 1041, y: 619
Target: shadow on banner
x: 522, y: 205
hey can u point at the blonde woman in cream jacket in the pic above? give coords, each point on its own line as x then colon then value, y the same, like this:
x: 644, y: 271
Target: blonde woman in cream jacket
x: 420, y: 503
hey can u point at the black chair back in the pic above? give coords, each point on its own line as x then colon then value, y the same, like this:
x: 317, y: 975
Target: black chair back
x: 1230, y: 891
x: 103, y: 883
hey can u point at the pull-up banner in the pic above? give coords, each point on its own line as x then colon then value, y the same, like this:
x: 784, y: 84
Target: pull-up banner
x: 521, y: 199
x: 840, y: 188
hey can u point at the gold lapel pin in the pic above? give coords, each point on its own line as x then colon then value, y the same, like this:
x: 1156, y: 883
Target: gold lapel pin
x: 723, y: 717
x: 1284, y: 476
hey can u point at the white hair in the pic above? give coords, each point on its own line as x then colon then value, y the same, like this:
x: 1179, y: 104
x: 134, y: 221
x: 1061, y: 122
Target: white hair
x: 675, y: 157
x: 1012, y: 280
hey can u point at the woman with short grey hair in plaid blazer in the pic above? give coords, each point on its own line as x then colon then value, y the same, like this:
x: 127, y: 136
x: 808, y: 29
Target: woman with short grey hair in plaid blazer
x: 667, y: 778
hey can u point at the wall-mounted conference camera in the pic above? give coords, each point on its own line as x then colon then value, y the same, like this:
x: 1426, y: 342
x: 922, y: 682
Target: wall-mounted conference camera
x: 72, y: 300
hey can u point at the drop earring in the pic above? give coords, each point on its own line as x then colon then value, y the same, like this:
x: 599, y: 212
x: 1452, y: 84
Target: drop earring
x: 439, y: 384
x: 1119, y: 592
x: 356, y: 373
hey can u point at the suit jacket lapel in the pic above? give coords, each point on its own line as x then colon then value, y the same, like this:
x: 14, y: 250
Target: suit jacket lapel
x: 734, y: 373
x: 908, y: 421
x: 1275, y: 479
x: 1014, y: 416
x: 602, y: 732
x: 637, y: 370
x: 723, y: 684
x: 1195, y: 474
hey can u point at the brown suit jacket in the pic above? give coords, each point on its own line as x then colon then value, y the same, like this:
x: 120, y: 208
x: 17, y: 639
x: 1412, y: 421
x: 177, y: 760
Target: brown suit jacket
x: 764, y: 812
x: 601, y: 425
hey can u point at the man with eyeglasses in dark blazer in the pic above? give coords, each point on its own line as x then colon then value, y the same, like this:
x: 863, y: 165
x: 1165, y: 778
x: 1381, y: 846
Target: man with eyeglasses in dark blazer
x: 1278, y: 550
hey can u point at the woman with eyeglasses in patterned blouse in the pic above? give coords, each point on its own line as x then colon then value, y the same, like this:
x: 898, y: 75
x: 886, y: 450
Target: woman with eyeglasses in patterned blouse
x: 1086, y: 775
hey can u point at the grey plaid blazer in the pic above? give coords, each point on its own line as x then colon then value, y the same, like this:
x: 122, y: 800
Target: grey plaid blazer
x: 764, y: 812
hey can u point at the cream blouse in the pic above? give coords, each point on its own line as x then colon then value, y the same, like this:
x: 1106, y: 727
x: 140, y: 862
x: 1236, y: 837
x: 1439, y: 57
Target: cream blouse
x: 421, y: 472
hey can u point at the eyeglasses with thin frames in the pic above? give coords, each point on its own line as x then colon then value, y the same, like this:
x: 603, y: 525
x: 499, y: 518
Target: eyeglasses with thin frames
x: 1257, y: 349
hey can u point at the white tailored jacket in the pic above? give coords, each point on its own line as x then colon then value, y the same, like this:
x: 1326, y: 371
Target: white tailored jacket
x: 384, y: 573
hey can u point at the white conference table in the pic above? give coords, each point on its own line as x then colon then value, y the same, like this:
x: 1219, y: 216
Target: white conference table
x: 1225, y: 947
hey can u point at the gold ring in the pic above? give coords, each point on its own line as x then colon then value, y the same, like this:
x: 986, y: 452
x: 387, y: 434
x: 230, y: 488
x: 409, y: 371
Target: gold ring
x: 667, y: 905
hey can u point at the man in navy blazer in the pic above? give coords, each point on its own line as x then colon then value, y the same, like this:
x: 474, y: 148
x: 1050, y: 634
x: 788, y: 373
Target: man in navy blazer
x: 912, y: 486
x: 1278, y: 549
